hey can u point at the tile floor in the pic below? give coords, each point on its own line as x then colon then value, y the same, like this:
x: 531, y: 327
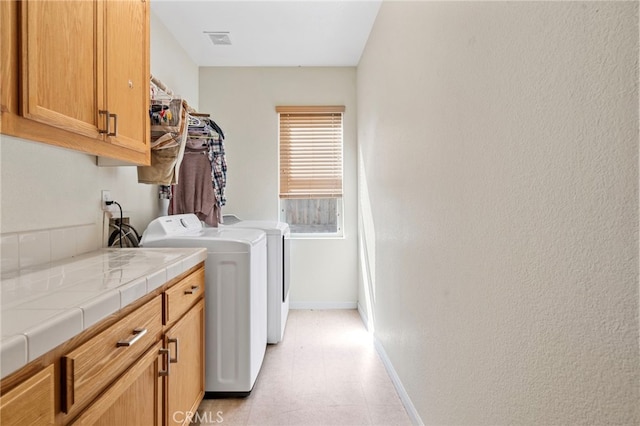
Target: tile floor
x: 325, y: 372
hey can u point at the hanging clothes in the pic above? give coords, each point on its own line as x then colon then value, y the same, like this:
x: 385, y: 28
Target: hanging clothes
x: 187, y: 156
x: 204, y: 132
x: 168, y: 135
x: 218, y: 162
x: 194, y: 192
x: 203, y: 173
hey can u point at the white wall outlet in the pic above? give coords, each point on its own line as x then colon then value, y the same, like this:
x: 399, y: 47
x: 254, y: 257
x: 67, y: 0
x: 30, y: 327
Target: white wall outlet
x: 106, y: 196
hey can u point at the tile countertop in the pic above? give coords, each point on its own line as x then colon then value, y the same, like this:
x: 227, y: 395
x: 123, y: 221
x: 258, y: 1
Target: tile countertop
x: 44, y: 306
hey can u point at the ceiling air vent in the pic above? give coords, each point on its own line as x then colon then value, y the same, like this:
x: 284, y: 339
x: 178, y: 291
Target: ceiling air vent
x: 219, y: 37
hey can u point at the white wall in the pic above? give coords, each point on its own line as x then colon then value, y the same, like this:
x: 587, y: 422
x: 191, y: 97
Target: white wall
x: 498, y: 145
x: 171, y: 63
x: 47, y: 187
x: 242, y: 101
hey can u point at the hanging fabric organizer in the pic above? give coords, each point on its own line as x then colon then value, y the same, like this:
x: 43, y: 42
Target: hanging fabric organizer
x: 187, y: 157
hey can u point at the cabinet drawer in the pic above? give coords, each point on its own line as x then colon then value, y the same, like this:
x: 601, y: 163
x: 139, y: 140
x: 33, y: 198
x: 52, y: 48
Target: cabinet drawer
x: 88, y: 369
x: 183, y: 295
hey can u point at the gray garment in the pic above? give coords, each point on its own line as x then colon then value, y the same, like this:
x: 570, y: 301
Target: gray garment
x: 194, y: 192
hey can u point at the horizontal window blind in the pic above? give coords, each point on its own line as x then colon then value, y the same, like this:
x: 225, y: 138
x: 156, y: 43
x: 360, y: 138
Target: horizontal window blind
x: 310, y: 151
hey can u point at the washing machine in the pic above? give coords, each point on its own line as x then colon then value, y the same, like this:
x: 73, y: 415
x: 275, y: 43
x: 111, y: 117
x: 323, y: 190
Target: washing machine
x: 278, y: 270
x: 235, y: 298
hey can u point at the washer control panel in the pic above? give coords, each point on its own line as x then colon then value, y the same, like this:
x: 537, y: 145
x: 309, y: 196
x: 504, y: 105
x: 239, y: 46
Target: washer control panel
x: 179, y: 224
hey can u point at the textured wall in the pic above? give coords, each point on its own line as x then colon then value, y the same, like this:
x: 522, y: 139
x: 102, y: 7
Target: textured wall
x: 498, y: 144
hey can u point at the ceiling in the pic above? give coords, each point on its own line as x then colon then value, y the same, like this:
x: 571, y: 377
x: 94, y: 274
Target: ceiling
x: 271, y: 32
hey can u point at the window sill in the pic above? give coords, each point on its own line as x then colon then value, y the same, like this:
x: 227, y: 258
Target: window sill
x: 317, y: 236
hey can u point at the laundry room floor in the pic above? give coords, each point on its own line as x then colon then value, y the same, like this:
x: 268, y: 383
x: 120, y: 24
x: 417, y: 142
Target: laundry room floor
x: 325, y: 372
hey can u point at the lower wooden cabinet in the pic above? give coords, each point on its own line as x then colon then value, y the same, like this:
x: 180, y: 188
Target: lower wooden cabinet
x: 32, y: 402
x: 184, y: 385
x: 134, y: 400
x: 142, y: 367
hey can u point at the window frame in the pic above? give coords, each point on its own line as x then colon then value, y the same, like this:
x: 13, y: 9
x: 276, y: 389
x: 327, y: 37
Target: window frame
x: 339, y: 234
x: 310, y: 110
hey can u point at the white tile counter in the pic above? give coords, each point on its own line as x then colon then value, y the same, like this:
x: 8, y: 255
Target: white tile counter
x: 44, y: 306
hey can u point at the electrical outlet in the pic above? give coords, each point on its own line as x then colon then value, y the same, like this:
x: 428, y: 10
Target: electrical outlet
x: 106, y: 196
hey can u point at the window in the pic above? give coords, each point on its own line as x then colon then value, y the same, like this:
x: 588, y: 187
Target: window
x: 311, y: 169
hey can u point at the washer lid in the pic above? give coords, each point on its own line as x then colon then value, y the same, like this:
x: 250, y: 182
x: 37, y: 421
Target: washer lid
x: 251, y: 236
x: 187, y: 227
x: 268, y: 226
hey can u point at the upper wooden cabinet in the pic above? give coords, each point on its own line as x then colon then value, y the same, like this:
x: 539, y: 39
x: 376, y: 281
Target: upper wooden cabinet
x: 61, y: 65
x: 127, y: 71
x: 76, y: 74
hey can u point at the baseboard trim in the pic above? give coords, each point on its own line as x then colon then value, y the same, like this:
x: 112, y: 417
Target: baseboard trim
x: 323, y: 305
x: 402, y: 393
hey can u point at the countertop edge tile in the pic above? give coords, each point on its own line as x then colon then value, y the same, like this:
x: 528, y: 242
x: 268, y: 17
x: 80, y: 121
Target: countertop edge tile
x: 100, y: 307
x: 13, y: 350
x: 132, y: 291
x: 60, y: 328
x: 174, y: 270
x: 156, y: 279
x: 194, y: 259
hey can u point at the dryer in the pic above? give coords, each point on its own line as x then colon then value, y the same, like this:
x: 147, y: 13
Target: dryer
x: 278, y: 270
x: 235, y: 298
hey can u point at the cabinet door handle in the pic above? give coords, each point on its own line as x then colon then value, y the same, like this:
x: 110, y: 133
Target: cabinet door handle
x: 164, y: 352
x: 173, y: 340
x: 109, y: 115
x: 193, y: 289
x: 137, y: 334
x: 115, y: 125
x: 107, y: 122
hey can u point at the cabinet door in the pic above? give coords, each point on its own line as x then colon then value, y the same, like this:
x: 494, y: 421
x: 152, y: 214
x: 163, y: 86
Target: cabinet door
x: 185, y: 382
x: 62, y: 65
x: 32, y: 402
x: 134, y: 399
x: 127, y: 72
